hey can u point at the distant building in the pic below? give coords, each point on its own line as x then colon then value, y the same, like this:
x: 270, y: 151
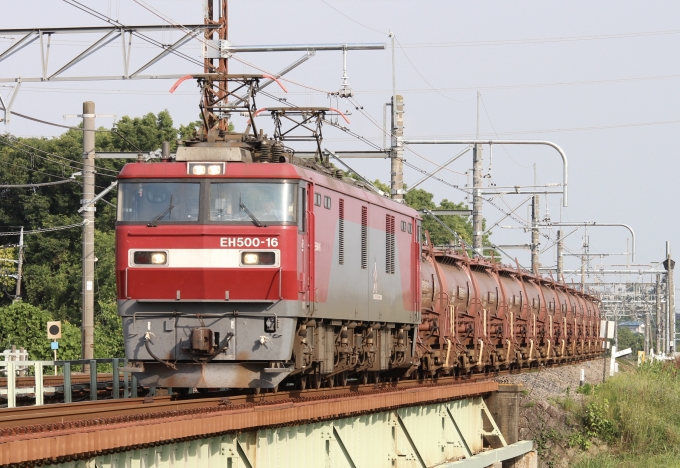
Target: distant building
x: 635, y: 327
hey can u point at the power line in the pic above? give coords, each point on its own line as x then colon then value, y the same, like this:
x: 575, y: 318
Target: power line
x: 178, y: 25
x: 38, y: 231
x: 115, y: 132
x: 421, y: 75
x: 9, y: 143
x: 108, y: 19
x: 352, y: 19
x: 42, y: 184
x: 19, y: 142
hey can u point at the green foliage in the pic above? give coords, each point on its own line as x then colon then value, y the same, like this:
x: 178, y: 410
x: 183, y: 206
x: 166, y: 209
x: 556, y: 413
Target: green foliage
x: 595, y: 425
x: 586, y: 389
x: 51, y: 285
x: 108, y: 328
x: 638, y: 414
x: 8, y: 256
x: 25, y: 326
x: 421, y: 199
x: 145, y: 133
x: 627, y: 339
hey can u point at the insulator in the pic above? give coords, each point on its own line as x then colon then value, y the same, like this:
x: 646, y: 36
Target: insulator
x: 339, y: 174
x: 277, y: 153
x: 265, y: 154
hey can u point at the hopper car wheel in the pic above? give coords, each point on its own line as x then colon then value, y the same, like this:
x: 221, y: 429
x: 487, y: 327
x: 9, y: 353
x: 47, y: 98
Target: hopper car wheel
x: 364, y: 378
x: 315, y: 381
x: 302, y: 382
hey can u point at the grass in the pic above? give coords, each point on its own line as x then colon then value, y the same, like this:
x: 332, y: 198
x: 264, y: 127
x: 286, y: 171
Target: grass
x: 638, y: 414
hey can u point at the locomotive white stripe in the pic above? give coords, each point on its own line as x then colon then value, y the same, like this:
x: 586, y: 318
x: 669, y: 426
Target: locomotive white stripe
x: 203, y: 258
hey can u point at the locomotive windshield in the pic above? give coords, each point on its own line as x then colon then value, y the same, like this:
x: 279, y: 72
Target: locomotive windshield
x: 268, y: 202
x: 158, y: 202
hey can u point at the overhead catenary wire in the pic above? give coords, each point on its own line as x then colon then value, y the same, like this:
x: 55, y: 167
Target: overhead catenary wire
x: 108, y: 19
x: 183, y: 28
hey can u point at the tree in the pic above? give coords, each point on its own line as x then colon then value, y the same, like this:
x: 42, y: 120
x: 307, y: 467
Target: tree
x: 419, y: 199
x: 25, y: 326
x: 627, y: 339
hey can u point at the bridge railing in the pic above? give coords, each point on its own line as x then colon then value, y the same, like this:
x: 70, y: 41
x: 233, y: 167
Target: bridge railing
x: 11, y: 391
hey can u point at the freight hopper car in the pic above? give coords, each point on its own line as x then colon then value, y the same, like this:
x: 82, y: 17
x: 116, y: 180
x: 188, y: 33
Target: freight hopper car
x: 239, y: 265
x: 480, y: 316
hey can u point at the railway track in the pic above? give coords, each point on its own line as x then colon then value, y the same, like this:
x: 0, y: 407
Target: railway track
x: 57, y: 380
x: 134, y: 407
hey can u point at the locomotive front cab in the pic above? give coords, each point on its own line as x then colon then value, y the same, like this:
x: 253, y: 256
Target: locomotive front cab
x: 209, y: 270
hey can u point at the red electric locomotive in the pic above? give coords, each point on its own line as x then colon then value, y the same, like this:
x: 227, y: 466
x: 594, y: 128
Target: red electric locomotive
x: 240, y: 264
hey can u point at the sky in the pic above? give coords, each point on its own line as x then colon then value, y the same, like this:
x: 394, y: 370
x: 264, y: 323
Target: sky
x: 596, y: 78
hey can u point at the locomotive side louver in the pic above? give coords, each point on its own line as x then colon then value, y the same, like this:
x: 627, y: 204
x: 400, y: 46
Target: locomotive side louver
x: 341, y: 231
x: 364, y: 237
x: 389, y: 244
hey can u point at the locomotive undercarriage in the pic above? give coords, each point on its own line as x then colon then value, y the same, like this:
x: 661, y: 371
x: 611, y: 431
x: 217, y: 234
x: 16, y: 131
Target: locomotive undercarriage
x: 330, y: 352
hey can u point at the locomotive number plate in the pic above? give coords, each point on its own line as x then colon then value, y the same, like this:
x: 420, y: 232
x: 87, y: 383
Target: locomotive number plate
x: 249, y: 242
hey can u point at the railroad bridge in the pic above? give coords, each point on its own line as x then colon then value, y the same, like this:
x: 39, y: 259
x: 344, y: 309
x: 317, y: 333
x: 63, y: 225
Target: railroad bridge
x: 448, y: 423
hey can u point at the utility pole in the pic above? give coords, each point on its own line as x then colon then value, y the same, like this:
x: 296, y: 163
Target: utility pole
x: 477, y: 201
x: 17, y: 295
x: 669, y: 264
x: 87, y: 337
x: 397, y: 151
x: 535, y: 215
x: 584, y: 259
x: 657, y: 309
x: 560, y: 256
x: 648, y: 327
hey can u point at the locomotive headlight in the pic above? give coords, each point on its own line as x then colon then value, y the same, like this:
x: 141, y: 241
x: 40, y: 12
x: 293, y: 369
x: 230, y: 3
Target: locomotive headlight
x: 203, y: 168
x: 159, y: 258
x: 198, y: 169
x: 258, y: 258
x: 250, y: 258
x: 150, y: 258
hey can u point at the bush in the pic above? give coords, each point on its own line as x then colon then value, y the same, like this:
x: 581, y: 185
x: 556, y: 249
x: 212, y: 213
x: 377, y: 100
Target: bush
x: 638, y: 414
x: 25, y: 326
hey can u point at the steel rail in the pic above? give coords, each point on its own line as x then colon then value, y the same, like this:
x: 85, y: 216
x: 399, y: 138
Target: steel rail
x: 90, y: 410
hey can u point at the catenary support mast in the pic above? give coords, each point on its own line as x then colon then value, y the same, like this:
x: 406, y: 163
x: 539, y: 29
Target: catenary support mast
x: 477, y: 230
x: 20, y: 263
x: 87, y: 339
